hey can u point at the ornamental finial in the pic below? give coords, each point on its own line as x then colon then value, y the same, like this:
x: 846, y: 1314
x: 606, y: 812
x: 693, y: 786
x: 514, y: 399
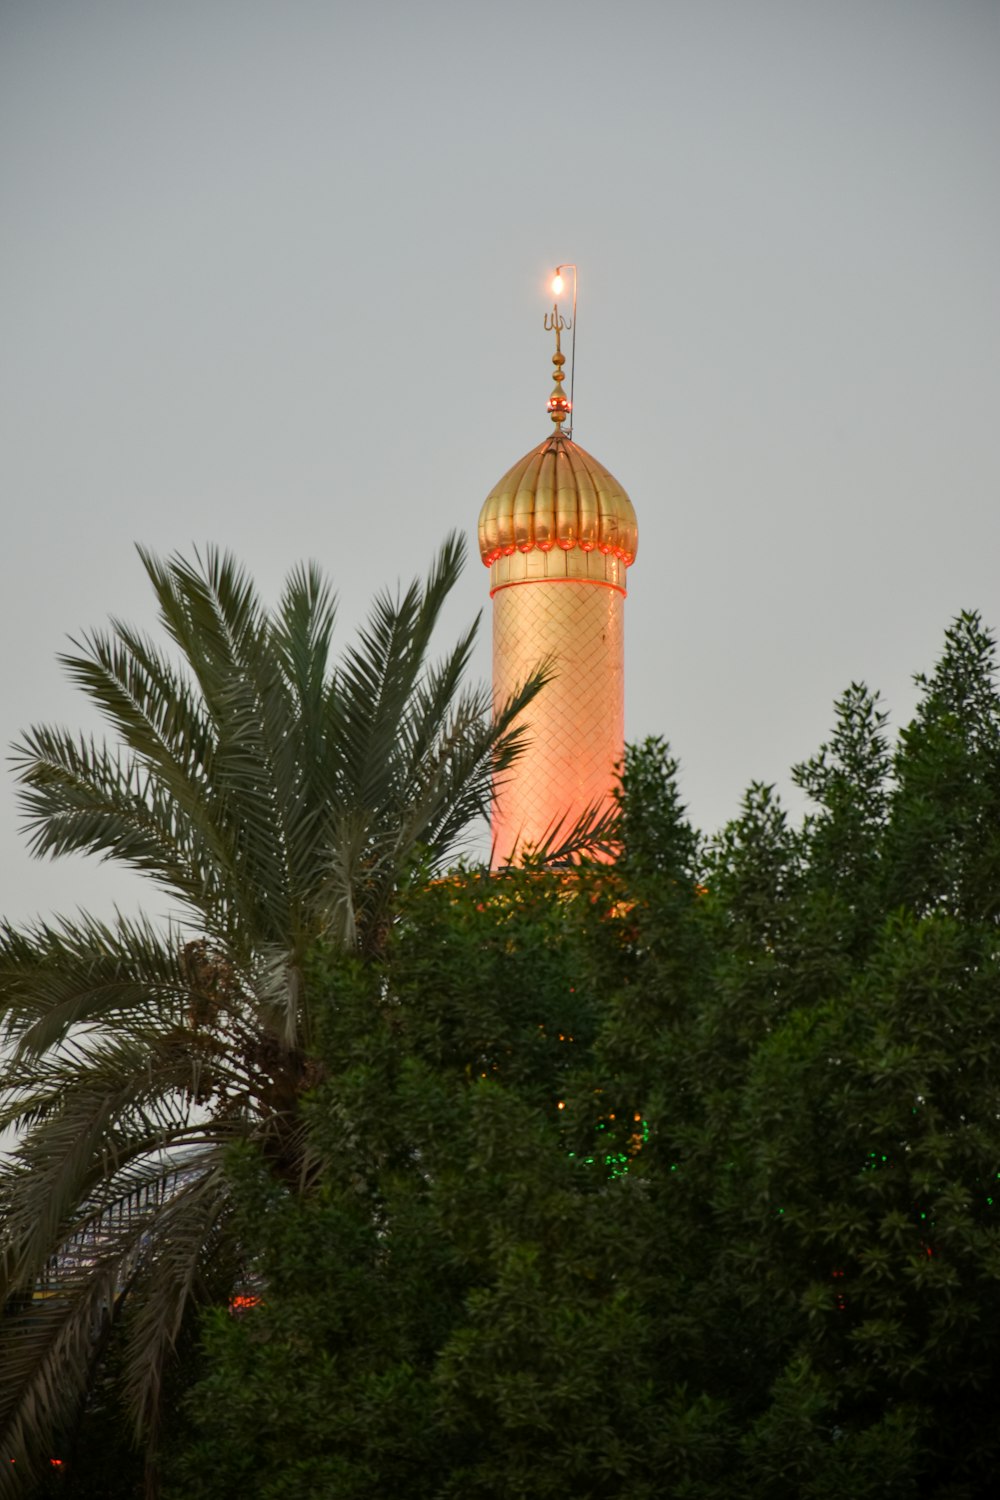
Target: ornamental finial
x: 559, y: 406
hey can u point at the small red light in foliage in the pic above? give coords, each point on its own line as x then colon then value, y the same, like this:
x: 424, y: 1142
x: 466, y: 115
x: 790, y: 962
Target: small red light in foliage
x: 241, y: 1303
x: 56, y: 1463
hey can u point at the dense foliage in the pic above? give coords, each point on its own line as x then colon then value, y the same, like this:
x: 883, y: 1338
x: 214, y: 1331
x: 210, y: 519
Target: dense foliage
x: 678, y: 1178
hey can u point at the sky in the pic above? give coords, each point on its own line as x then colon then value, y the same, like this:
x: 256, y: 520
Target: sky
x: 274, y: 276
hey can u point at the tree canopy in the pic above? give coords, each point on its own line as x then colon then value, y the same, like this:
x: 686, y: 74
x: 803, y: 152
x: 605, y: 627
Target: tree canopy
x: 680, y: 1177
x: 673, y: 1176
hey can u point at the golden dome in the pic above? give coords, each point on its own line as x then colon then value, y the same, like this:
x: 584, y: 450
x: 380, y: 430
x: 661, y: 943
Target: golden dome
x: 558, y: 496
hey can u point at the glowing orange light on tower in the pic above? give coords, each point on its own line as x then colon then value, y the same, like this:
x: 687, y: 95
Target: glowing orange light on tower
x: 557, y: 284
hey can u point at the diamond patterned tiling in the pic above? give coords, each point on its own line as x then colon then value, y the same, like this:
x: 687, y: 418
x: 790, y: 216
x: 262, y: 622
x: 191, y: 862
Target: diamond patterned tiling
x: 577, y: 721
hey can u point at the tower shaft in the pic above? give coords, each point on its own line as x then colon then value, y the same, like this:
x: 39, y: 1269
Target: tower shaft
x: 575, y: 725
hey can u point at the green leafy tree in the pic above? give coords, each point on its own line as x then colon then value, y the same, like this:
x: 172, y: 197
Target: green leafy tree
x: 278, y: 798
x: 943, y: 850
x: 838, y: 1143
x: 754, y: 1255
x: 459, y: 1309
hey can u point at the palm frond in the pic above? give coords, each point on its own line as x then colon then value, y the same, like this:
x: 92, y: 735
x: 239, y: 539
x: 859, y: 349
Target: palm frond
x: 378, y: 677
x: 55, y: 977
x: 47, y: 1350
x: 176, y: 1266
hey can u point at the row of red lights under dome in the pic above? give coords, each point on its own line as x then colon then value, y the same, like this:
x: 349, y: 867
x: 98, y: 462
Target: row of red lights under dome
x: 567, y: 546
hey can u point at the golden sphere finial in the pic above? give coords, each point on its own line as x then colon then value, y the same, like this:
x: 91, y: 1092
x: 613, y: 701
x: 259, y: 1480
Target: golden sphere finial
x: 558, y: 404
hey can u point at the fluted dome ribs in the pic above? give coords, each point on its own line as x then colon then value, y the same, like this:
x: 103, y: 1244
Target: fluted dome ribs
x: 557, y: 495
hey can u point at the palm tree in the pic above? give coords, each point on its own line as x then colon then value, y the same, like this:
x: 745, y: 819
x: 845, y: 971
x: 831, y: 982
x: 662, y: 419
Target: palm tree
x: 278, y: 799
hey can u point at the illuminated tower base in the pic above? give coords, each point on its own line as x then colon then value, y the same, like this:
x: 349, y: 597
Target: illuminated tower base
x: 577, y: 723
x: 557, y: 534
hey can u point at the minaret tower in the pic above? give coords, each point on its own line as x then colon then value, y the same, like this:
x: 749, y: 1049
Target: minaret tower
x: 557, y: 534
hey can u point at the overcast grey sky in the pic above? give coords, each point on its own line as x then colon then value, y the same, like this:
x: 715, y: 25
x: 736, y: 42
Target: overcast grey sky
x: 273, y: 275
